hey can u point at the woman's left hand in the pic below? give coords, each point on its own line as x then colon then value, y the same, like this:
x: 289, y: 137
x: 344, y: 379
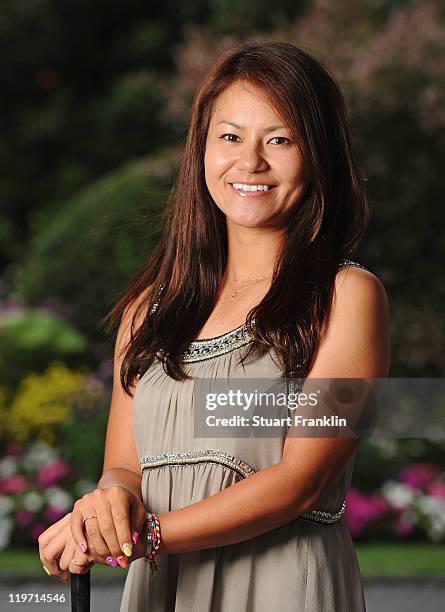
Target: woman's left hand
x: 108, y: 522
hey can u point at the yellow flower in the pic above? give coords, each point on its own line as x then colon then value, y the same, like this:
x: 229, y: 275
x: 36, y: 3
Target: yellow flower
x: 44, y: 401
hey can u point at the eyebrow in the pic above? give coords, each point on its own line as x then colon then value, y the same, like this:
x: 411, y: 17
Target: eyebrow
x: 271, y: 128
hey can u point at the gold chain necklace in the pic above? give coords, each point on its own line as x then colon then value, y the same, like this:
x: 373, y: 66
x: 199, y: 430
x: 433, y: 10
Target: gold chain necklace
x: 251, y: 281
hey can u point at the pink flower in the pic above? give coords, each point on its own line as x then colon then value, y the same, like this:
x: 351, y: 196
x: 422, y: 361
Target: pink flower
x: 37, y: 530
x: 53, y: 472
x: 23, y: 518
x: 362, y: 509
x: 403, y: 526
x: 436, y: 489
x: 14, y: 484
x: 54, y: 514
x: 418, y: 475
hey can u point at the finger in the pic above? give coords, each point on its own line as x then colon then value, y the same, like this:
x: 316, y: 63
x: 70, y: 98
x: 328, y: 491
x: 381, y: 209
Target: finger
x: 86, y: 532
x: 50, y: 555
x: 49, y: 533
x: 120, y: 509
x: 43, y: 540
x: 91, y: 557
x: 105, y: 523
x: 99, y: 530
x: 74, y: 561
x: 77, y: 525
x: 105, y: 520
x: 138, y: 516
x: 139, y: 549
x: 108, y: 542
x: 79, y: 569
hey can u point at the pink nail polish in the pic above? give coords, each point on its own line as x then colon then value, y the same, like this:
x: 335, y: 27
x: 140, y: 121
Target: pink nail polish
x: 111, y: 561
x: 135, y: 537
x: 83, y: 547
x: 122, y: 561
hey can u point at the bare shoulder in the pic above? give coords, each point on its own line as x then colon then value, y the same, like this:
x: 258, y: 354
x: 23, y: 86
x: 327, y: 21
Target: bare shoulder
x: 355, y: 285
x: 355, y: 338
x: 132, y: 311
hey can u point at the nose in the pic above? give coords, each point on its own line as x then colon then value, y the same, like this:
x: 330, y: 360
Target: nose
x: 250, y: 157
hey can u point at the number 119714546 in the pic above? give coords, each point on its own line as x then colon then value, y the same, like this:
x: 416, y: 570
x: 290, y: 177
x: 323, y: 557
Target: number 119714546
x: 31, y: 598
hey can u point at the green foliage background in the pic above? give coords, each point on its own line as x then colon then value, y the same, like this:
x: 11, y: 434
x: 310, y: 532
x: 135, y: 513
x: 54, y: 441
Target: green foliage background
x: 94, y: 114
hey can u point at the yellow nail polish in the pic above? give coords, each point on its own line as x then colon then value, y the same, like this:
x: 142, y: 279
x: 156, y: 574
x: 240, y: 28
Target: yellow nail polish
x: 127, y: 549
x: 46, y: 570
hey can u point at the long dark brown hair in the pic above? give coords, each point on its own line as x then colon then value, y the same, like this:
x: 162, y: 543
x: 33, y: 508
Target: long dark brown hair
x: 190, y: 259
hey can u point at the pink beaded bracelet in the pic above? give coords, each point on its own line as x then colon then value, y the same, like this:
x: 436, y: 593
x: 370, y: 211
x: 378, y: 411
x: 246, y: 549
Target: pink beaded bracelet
x: 153, y: 542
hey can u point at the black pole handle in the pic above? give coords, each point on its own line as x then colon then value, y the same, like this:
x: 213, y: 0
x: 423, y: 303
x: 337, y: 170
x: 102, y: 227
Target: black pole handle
x: 80, y: 592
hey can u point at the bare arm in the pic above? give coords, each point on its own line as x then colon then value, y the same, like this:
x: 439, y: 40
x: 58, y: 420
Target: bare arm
x: 355, y: 345
x: 115, y: 508
x: 120, y: 458
x: 115, y: 505
x: 121, y: 466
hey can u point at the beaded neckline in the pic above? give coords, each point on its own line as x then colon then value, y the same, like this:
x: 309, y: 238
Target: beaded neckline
x: 207, y: 348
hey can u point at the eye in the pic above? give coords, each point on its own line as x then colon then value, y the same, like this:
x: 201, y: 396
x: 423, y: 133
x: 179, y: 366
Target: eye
x: 274, y: 138
x: 281, y: 138
x: 224, y: 137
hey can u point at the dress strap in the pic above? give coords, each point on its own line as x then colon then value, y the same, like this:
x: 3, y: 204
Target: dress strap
x: 152, y: 311
x: 348, y: 263
x: 156, y: 304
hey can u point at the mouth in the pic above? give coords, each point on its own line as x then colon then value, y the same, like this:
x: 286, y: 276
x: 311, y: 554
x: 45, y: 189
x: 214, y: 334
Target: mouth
x: 250, y: 194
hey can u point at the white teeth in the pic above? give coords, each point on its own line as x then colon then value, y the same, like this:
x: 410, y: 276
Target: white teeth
x: 243, y: 187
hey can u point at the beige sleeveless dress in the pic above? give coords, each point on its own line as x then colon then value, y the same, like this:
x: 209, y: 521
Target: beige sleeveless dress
x: 306, y: 565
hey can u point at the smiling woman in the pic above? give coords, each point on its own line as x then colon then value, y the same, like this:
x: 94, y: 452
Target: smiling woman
x: 258, y: 159
x: 251, y: 280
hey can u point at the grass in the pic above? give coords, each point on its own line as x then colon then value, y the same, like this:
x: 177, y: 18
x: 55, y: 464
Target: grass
x: 401, y: 559
x: 376, y: 559
x: 27, y: 563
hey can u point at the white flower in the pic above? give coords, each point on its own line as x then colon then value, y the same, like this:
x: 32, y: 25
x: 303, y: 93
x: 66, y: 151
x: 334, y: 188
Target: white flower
x: 59, y: 498
x: 397, y: 494
x: 6, y: 505
x: 6, y: 526
x: 431, y: 511
x: 430, y: 506
x: 436, y: 532
x: 436, y: 527
x: 33, y: 501
x: 38, y: 455
x: 8, y: 467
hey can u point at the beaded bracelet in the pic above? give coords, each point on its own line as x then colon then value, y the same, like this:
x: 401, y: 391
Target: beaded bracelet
x: 153, y: 542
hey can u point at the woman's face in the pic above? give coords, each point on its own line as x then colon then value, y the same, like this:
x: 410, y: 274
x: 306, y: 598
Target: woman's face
x: 247, y: 143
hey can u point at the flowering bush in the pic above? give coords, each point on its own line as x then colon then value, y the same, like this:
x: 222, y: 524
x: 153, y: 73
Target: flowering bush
x: 33, y: 337
x: 37, y: 488
x: 44, y: 403
x: 412, y: 506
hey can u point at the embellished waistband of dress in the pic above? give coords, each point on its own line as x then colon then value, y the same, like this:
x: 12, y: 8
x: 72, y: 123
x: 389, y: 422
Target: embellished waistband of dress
x: 234, y: 463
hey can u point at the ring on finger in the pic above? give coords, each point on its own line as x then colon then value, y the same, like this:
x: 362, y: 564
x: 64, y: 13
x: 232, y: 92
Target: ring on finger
x: 89, y: 517
x: 79, y: 564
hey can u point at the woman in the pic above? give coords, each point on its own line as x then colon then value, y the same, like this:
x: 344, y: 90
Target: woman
x: 248, y: 281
